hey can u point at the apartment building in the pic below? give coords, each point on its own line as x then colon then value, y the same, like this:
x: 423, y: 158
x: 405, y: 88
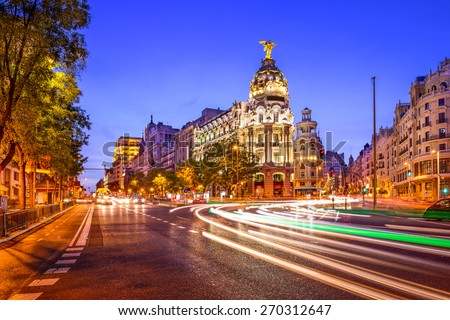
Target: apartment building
x: 414, y: 159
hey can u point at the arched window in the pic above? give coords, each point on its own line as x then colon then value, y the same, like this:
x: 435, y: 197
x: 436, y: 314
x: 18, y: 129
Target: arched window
x: 433, y: 88
x: 444, y: 85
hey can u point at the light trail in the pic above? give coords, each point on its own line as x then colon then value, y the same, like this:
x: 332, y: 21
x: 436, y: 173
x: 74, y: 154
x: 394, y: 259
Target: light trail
x: 310, y: 273
x: 375, y: 277
x: 353, y: 233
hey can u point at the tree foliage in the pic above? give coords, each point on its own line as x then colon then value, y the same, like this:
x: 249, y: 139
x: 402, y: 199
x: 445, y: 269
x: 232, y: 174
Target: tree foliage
x: 33, y: 35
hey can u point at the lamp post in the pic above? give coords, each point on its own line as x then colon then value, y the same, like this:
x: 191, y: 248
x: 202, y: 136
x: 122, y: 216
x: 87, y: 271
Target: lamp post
x: 374, y: 148
x: 409, y: 177
x: 438, y: 177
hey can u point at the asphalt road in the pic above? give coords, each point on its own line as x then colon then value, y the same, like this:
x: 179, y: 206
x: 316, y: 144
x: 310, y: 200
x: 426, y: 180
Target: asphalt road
x: 149, y: 252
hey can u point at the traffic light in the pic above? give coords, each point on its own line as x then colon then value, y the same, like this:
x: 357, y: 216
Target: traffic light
x: 409, y: 173
x: 364, y: 191
x: 322, y: 153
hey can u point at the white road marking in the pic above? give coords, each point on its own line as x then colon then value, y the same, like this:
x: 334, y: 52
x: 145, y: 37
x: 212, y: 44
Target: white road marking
x: 80, y: 228
x: 75, y: 249
x: 70, y: 261
x: 193, y: 231
x: 43, y: 282
x: 71, y: 255
x: 173, y: 224
x: 57, y: 270
x: 26, y: 296
x: 87, y: 227
x: 181, y: 227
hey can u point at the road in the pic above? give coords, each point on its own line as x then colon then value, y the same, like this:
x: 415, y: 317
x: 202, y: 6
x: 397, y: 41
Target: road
x: 270, y: 252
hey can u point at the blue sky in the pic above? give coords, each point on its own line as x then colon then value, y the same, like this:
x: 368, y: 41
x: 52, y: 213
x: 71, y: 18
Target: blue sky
x: 171, y: 59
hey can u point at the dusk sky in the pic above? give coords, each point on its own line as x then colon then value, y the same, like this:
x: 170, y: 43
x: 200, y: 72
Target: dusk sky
x: 172, y: 59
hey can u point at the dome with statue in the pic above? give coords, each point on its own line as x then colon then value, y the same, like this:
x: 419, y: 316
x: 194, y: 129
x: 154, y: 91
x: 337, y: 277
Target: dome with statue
x: 268, y: 80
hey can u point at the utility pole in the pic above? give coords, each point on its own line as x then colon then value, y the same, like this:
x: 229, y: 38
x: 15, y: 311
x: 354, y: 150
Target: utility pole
x: 374, y: 148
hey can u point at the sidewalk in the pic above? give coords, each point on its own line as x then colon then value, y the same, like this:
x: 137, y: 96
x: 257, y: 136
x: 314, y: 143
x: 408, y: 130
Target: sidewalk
x: 14, y: 234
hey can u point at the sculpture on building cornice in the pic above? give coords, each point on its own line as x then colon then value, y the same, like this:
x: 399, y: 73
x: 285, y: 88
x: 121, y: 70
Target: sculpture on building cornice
x: 268, y: 46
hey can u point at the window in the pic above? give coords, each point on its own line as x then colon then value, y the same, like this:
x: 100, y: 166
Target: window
x: 442, y: 146
x: 427, y: 121
x: 441, y: 102
x: 427, y: 106
x: 441, y: 118
x: 261, y: 118
x: 442, y: 133
x: 427, y: 149
x: 275, y: 117
x: 427, y: 136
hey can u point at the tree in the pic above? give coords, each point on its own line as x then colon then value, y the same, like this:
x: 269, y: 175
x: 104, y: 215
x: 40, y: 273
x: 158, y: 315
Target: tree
x: 33, y: 34
x: 51, y: 130
x: 226, y: 163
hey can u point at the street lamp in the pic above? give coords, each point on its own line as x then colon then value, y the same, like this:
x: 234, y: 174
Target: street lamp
x: 438, y: 177
x: 409, y: 177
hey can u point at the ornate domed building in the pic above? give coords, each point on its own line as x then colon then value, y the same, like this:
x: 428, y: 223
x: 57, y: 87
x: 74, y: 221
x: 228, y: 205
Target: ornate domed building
x: 264, y: 125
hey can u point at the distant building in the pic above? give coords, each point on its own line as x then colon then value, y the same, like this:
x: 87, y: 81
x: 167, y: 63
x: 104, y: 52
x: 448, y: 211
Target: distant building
x: 125, y: 151
x: 156, y: 148
x: 185, y: 138
x: 308, y: 162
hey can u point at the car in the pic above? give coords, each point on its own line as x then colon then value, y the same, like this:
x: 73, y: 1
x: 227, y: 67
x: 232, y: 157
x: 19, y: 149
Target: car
x: 138, y: 200
x: 439, y: 210
x: 200, y: 200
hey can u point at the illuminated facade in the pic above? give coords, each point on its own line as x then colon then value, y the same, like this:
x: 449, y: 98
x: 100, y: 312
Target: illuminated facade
x: 264, y: 125
x: 125, y: 151
x: 414, y: 160
x: 308, y: 163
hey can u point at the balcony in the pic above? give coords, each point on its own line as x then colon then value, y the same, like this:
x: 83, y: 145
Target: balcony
x: 426, y: 124
x: 441, y: 120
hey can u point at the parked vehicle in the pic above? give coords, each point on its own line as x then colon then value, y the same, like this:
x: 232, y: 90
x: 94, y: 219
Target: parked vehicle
x: 439, y: 210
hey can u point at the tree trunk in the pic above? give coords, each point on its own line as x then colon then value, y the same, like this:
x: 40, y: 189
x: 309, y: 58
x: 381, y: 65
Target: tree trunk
x: 60, y: 189
x: 9, y: 156
x: 22, y: 180
x: 32, y: 184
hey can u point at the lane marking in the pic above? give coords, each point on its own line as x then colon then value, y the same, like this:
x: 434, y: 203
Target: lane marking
x: 181, y: 227
x: 43, y: 282
x: 193, y: 231
x: 57, y: 270
x: 70, y: 261
x: 75, y: 249
x: 87, y: 227
x: 71, y: 255
x: 26, y: 296
x: 80, y: 228
x: 173, y: 224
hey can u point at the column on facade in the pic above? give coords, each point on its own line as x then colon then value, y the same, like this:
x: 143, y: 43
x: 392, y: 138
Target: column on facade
x: 268, y: 143
x: 287, y: 184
